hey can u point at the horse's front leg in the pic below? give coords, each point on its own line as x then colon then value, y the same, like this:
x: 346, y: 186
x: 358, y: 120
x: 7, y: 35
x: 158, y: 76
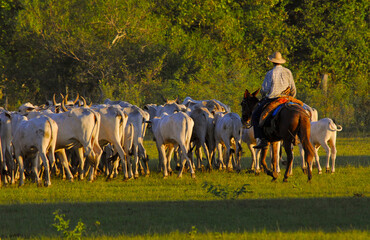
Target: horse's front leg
x: 263, y: 161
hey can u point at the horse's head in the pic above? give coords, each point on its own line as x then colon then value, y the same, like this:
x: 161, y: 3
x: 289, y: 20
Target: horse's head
x: 248, y: 104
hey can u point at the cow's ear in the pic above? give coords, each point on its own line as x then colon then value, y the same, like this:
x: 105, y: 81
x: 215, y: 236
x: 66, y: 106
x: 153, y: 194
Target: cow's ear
x: 254, y: 94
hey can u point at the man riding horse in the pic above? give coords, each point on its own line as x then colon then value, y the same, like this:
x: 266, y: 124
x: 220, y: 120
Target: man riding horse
x: 275, y: 85
x: 287, y: 119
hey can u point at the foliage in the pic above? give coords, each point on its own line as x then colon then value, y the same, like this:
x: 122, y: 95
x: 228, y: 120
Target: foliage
x: 139, y: 51
x: 225, y: 192
x: 63, y: 227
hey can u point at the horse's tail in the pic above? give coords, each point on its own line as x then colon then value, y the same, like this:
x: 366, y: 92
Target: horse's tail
x: 304, y: 133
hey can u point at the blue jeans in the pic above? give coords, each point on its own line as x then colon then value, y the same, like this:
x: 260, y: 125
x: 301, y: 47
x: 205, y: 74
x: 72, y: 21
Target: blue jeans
x: 258, y: 131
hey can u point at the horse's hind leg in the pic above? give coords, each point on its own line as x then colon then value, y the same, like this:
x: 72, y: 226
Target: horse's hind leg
x: 289, y: 153
x: 275, y: 160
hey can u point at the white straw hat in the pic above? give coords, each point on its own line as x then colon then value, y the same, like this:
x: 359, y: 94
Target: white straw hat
x: 276, y: 58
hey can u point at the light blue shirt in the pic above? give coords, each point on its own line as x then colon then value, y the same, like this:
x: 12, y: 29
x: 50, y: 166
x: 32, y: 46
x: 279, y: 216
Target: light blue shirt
x: 276, y: 81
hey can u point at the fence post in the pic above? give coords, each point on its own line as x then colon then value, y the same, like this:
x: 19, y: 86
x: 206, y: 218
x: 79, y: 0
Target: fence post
x: 324, y: 83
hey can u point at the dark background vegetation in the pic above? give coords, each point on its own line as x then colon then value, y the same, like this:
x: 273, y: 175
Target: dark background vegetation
x: 141, y: 50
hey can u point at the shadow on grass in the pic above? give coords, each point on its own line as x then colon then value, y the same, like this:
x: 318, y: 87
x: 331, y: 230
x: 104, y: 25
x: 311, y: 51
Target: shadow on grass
x: 139, y: 218
x: 341, y: 161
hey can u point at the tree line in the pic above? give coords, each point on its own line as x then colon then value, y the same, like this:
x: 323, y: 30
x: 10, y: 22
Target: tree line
x: 143, y: 50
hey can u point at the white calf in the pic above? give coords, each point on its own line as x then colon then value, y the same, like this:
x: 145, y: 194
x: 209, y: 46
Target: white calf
x: 324, y: 133
x: 227, y: 127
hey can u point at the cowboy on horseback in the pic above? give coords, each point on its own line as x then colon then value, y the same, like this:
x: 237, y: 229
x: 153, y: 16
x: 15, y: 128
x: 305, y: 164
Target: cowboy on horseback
x: 275, y: 85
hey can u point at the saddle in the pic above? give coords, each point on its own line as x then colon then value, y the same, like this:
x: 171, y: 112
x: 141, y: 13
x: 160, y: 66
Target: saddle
x: 274, y: 107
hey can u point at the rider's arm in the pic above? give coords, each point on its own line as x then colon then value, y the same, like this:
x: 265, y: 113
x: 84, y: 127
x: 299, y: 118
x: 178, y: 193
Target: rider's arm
x: 293, y: 90
x: 266, y: 85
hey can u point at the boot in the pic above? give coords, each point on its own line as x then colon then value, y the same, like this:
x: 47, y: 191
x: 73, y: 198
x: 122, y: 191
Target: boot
x: 261, y: 143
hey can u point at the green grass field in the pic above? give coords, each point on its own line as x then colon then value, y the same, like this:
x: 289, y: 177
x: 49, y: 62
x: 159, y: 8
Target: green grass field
x: 331, y: 206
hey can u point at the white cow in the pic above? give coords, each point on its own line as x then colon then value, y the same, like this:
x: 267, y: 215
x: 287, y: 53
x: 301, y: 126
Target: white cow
x: 203, y: 133
x: 152, y: 109
x: 212, y: 105
x: 79, y: 127
x: 6, y: 136
x: 175, y: 130
x: 324, y: 133
x: 113, y: 123
x: 27, y: 107
x: 312, y: 111
x: 135, y: 129
x: 35, y: 138
x: 228, y: 129
x: 169, y: 108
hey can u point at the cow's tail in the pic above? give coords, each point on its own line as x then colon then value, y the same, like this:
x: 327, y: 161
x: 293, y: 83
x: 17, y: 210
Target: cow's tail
x: 95, y: 128
x: 333, y: 126
x: 188, y: 133
x: 51, y: 130
x: 52, y: 156
x: 95, y: 155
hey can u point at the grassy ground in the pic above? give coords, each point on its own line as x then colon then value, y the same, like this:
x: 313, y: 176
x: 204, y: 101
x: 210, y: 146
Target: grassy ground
x: 331, y: 206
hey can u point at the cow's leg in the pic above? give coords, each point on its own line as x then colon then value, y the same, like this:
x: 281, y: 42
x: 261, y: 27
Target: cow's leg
x: 10, y: 164
x: 198, y: 154
x: 162, y: 154
x: 129, y: 167
x: 220, y: 157
x: 35, y: 168
x: 227, y: 161
x: 316, y: 152
x: 136, y: 161
x: 81, y: 160
x: 63, y: 158
x: 206, y: 152
x: 51, y: 158
x: 184, y: 158
x: 123, y: 156
x: 278, y: 157
x: 301, y: 152
x: 253, y: 156
x: 145, y: 158
x: 257, y: 163
x: 45, y: 161
x: 21, y: 169
x: 328, y: 153
x: 168, y: 155
x: 115, y: 167
x: 281, y: 157
x: 333, y: 154
x: 238, y: 155
x: 124, y: 163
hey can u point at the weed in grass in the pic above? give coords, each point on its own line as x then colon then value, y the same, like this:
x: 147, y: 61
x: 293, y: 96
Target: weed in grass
x: 62, y: 226
x: 193, y: 232
x: 225, y: 192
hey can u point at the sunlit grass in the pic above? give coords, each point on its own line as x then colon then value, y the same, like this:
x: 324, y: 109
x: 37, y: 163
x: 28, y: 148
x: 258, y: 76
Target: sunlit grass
x: 330, y: 206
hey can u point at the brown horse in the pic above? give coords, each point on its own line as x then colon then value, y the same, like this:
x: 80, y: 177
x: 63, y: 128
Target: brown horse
x: 291, y: 120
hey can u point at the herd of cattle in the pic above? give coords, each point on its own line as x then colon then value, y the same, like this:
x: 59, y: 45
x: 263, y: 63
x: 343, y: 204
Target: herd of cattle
x: 76, y: 139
